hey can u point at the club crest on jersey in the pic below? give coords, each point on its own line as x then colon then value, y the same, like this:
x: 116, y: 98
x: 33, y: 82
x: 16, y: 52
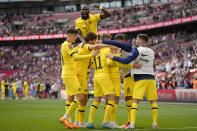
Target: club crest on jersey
x: 115, y: 51
x: 70, y: 46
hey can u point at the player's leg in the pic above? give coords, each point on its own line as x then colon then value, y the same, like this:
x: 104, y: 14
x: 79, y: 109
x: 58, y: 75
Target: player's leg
x: 128, y: 85
x: 2, y: 93
x: 108, y: 111
x: 117, y: 87
x: 81, y: 109
x: 93, y: 108
x: 133, y: 114
x: 26, y: 92
x: 151, y: 94
x: 138, y: 94
x: 97, y: 99
x: 73, y: 88
x: 110, y: 97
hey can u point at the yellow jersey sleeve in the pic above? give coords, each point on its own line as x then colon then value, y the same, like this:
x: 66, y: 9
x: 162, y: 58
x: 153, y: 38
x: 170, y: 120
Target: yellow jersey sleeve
x: 97, y: 17
x: 124, y: 65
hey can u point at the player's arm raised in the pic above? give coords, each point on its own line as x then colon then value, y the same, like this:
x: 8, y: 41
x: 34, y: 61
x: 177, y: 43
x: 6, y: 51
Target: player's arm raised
x: 105, y: 14
x: 132, y: 56
x: 79, y: 57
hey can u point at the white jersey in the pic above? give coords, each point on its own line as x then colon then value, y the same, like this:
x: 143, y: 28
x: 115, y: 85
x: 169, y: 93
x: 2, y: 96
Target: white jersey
x: 125, y: 71
x: 146, y: 58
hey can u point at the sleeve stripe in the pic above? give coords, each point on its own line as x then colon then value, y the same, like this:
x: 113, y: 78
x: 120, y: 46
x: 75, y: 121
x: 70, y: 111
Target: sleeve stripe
x: 72, y: 53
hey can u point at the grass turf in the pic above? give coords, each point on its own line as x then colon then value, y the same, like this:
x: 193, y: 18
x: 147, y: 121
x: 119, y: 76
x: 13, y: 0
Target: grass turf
x: 43, y: 115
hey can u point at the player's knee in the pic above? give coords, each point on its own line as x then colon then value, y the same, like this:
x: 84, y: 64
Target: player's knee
x: 154, y: 105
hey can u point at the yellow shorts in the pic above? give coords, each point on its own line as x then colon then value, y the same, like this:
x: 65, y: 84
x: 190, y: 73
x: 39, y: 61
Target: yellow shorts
x: 117, y: 85
x: 72, y: 85
x: 83, y: 82
x: 128, y: 85
x: 103, y: 87
x: 147, y: 87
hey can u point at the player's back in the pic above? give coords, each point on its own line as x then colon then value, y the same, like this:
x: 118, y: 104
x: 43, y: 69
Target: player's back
x: 68, y: 62
x: 114, y: 70
x: 82, y: 65
x: 100, y: 64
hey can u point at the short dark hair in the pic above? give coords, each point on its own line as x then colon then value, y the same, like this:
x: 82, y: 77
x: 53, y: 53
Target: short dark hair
x: 119, y: 37
x: 90, y: 36
x: 105, y: 35
x: 72, y: 31
x: 126, y: 37
x: 143, y: 37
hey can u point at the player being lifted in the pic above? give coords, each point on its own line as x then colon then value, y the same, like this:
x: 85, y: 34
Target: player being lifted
x: 88, y: 22
x: 128, y: 82
x: 144, y: 77
x: 69, y: 76
x: 85, y: 24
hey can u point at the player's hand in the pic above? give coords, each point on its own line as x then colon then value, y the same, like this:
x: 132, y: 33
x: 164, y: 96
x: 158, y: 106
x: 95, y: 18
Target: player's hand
x: 95, y: 52
x: 109, y: 56
x: 99, y: 42
x: 96, y: 6
x: 137, y: 65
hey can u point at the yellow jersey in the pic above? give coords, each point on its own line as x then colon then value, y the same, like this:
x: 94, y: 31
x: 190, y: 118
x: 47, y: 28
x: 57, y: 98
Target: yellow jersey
x: 14, y: 87
x: 100, y: 64
x: 68, y: 56
x: 88, y: 25
x: 82, y: 65
x: 41, y: 87
x: 114, y: 70
x: 68, y: 62
x: 25, y: 84
x: 2, y: 85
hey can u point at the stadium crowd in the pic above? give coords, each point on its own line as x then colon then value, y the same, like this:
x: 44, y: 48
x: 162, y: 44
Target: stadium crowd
x: 32, y: 63
x: 17, y: 25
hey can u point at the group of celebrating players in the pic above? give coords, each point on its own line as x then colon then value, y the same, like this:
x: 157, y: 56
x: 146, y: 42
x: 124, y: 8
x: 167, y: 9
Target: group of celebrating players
x: 105, y: 56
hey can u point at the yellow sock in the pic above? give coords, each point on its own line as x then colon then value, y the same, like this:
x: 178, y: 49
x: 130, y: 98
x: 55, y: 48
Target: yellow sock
x: 77, y: 114
x: 67, y: 105
x: 154, y: 112
x: 134, y: 112
x: 81, y: 110
x: 128, y: 106
x: 72, y: 107
x: 113, y: 115
x: 93, y: 111
x: 108, y: 111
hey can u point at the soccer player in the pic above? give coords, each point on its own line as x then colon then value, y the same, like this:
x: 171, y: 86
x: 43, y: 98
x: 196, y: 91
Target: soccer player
x: 126, y: 69
x: 128, y: 82
x: 114, y: 72
x: 82, y: 73
x: 144, y: 77
x: 88, y: 22
x: 102, y: 87
x: 2, y: 89
x: 73, y: 87
x: 26, y: 88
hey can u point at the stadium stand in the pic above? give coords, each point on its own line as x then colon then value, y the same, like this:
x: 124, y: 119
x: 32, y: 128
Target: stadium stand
x: 57, y: 23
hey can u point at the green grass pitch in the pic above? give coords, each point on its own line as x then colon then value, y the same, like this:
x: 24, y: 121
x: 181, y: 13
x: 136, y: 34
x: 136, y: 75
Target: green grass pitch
x: 43, y: 115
